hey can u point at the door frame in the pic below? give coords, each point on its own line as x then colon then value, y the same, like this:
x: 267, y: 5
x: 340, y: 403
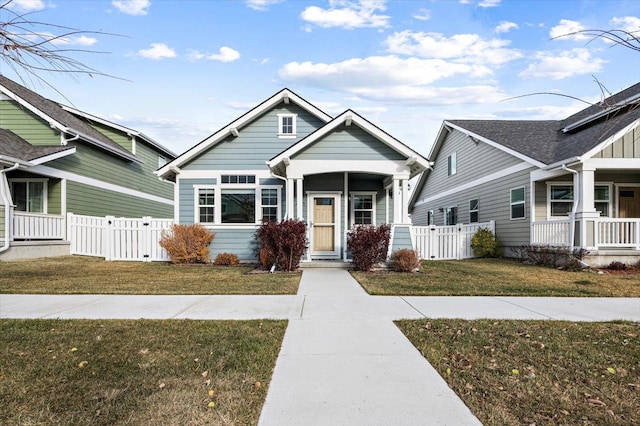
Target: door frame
x: 337, y: 208
x: 619, y: 187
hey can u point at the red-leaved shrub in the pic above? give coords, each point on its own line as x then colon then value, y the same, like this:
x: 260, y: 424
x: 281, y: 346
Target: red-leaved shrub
x: 404, y: 260
x: 282, y: 244
x: 187, y: 243
x: 368, y: 245
x: 226, y: 259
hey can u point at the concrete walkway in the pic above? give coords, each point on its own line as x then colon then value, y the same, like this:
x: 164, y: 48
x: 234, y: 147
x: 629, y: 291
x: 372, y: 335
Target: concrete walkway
x: 343, y: 361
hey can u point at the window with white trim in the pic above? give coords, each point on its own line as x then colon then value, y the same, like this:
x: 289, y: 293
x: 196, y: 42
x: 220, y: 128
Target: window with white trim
x: 287, y: 125
x: 240, y: 205
x: 473, y: 211
x: 238, y: 179
x: 29, y: 195
x: 450, y: 215
x: 431, y: 218
x: 602, y: 199
x: 161, y: 161
x: 206, y: 205
x: 561, y: 196
x: 452, y: 164
x: 363, y: 208
x: 270, y: 205
x: 517, y: 200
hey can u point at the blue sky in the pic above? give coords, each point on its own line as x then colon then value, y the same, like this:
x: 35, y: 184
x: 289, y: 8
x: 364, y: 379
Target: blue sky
x: 187, y: 68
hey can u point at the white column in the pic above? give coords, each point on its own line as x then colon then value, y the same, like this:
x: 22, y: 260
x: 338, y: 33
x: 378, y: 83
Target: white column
x: 290, y: 214
x: 397, y: 201
x: 586, y: 186
x: 299, y: 196
x: 405, y: 200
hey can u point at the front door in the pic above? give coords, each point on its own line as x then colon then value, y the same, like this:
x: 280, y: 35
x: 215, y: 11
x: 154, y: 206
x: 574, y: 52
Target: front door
x: 324, y: 217
x: 629, y: 202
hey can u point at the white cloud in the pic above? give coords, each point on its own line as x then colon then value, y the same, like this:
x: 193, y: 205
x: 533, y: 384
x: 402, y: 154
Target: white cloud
x: 422, y: 15
x: 132, y: 7
x: 157, y: 51
x: 244, y: 106
x: 568, y: 29
x: 26, y: 5
x: 505, y: 27
x: 347, y: 14
x: 489, y: 3
x: 560, y: 65
x: 225, y: 54
x: 465, y: 48
x: 261, y: 5
x: 627, y: 23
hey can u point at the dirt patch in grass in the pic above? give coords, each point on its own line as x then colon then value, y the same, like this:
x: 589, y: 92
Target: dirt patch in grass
x: 55, y: 372
x: 537, y: 372
x: 497, y: 277
x: 87, y: 275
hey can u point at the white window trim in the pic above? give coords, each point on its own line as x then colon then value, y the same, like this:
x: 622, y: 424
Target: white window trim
x: 291, y: 135
x: 196, y: 203
x: 259, y: 205
x: 431, y: 217
x: 610, y: 185
x: 477, y: 209
x: 353, y: 202
x: 218, y: 188
x: 452, y: 164
x: 45, y: 191
x: 523, y: 202
x: 446, y: 215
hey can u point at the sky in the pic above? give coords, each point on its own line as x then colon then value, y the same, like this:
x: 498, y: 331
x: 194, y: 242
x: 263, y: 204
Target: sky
x: 180, y: 70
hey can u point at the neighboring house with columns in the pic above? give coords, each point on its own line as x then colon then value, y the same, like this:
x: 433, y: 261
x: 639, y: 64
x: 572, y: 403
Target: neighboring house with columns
x: 287, y: 159
x: 573, y: 182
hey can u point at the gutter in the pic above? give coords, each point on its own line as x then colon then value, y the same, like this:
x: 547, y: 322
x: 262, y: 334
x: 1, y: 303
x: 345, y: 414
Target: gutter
x: 572, y: 215
x: 7, y: 206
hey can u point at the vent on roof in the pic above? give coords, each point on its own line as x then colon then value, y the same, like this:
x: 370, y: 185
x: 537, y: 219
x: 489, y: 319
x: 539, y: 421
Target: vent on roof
x: 593, y: 117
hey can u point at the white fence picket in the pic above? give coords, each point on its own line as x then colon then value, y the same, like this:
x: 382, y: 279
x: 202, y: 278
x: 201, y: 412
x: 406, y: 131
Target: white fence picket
x: 450, y: 242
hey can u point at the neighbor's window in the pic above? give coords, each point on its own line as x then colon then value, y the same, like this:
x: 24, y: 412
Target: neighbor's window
x: 452, y: 164
x: 287, y: 125
x: 206, y: 205
x: 161, y: 161
x: 431, y: 218
x: 602, y: 198
x: 240, y: 205
x: 517, y: 203
x: 30, y: 195
x: 450, y: 215
x: 269, y: 205
x: 473, y: 211
x: 363, y: 209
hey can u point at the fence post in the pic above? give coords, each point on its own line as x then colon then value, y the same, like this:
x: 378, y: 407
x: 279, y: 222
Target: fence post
x: 69, y: 235
x: 432, y: 242
x: 108, y: 237
x: 146, y: 238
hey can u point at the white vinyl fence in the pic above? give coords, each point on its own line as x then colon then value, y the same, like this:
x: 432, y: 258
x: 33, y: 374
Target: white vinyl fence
x: 446, y: 242
x: 117, y: 238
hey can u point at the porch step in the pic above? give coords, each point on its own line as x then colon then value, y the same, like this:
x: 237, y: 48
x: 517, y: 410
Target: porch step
x: 338, y: 264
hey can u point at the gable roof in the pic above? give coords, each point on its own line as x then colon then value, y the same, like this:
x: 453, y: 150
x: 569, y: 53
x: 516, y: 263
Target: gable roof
x: 349, y: 117
x: 285, y: 95
x: 60, y: 119
x: 14, y: 149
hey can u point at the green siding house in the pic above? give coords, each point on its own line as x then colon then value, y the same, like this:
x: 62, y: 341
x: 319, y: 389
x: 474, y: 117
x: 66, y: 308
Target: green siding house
x: 573, y: 182
x: 288, y: 159
x: 56, y: 160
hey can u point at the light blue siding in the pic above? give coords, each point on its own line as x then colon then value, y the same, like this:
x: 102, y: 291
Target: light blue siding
x: 186, y: 198
x: 256, y: 143
x: 349, y: 143
x: 401, y: 239
x: 241, y: 242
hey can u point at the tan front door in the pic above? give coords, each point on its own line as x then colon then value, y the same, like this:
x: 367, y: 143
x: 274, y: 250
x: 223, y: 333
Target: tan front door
x: 629, y: 202
x: 324, y: 214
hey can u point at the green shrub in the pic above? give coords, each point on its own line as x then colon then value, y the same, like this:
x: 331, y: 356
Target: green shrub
x: 226, y: 259
x: 368, y: 245
x: 187, y: 243
x: 404, y: 260
x: 485, y: 244
x: 282, y: 244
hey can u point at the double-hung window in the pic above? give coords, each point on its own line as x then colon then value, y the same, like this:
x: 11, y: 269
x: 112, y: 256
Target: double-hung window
x: 561, y: 197
x: 287, y: 125
x: 473, y: 211
x: 206, y: 205
x: 363, y: 208
x: 517, y: 200
x: 450, y: 215
x: 29, y: 195
x: 270, y: 205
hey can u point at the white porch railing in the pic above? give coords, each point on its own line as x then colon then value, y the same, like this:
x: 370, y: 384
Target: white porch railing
x: 37, y: 226
x: 446, y: 242
x: 608, y: 233
x: 551, y: 232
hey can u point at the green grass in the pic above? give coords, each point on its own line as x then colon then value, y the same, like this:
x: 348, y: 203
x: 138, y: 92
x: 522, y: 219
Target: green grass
x: 136, y: 372
x: 497, y: 277
x: 537, y: 372
x: 87, y: 275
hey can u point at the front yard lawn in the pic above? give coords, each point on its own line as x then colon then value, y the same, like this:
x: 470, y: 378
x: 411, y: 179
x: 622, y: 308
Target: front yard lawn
x: 89, y: 275
x: 536, y: 372
x: 55, y: 372
x: 497, y: 277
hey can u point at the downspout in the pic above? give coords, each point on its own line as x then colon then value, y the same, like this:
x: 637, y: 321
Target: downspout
x: 7, y: 207
x: 574, y: 207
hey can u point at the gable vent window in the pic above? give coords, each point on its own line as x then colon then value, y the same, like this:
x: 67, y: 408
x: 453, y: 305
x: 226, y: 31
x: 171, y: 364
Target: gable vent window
x: 287, y: 125
x: 238, y: 179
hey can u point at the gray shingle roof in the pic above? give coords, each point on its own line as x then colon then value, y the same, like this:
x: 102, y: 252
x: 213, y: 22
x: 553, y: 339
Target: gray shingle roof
x: 57, y: 113
x: 12, y: 145
x: 546, y: 142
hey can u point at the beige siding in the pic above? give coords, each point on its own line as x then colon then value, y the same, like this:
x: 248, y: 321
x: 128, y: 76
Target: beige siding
x: 626, y: 147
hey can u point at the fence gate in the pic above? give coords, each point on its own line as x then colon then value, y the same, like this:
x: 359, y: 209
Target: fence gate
x: 118, y: 238
x: 451, y: 242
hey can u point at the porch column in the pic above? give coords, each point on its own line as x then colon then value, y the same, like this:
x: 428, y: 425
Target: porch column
x: 299, y: 196
x: 290, y: 210
x: 586, y: 214
x: 405, y: 200
x: 397, y: 202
